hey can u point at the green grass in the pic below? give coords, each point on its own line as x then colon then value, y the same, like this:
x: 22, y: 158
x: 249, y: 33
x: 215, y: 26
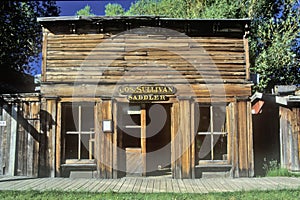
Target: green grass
x: 49, y: 195
x: 281, y: 172
x: 273, y: 168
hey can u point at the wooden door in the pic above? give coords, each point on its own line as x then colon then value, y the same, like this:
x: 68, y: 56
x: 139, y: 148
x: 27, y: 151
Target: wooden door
x: 132, y: 124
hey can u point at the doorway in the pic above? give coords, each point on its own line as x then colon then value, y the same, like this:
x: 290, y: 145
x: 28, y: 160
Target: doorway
x: 144, y: 132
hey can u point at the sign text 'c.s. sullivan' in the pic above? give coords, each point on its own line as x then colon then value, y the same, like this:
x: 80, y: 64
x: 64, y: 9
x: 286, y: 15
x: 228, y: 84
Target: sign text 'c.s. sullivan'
x: 147, y: 93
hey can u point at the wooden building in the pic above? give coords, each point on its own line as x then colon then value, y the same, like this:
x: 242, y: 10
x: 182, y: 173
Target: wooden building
x: 277, y: 127
x: 145, y: 96
x: 20, y: 134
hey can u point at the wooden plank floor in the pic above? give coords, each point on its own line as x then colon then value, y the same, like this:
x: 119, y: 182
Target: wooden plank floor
x: 149, y: 185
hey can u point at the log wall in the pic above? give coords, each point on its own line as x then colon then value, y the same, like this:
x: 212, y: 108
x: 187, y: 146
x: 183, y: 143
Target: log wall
x: 99, y: 58
x: 93, y: 64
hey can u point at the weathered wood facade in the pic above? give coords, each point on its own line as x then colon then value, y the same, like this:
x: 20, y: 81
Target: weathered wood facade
x: 20, y: 136
x: 279, y: 124
x: 145, y: 96
x: 290, y: 137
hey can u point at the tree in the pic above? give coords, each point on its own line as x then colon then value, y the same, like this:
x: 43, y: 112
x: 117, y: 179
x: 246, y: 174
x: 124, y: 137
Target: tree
x: 273, y: 43
x: 114, y: 9
x: 86, y: 11
x: 225, y: 9
x: 166, y: 8
x: 21, y: 35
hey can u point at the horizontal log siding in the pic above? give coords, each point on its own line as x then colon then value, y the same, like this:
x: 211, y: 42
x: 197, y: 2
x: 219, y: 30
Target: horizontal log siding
x: 101, y: 59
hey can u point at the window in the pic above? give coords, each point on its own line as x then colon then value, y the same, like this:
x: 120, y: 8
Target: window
x: 212, y: 134
x: 78, y: 128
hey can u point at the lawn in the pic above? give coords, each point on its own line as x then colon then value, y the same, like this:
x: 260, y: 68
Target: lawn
x: 274, y: 194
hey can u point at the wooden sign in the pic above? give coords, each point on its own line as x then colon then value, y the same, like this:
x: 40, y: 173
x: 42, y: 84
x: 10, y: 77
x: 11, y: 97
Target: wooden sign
x: 147, y: 93
x: 2, y: 123
x: 147, y: 90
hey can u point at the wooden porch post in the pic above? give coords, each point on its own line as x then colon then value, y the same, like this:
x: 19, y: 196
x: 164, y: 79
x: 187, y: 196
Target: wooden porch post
x: 58, y: 141
x: 115, y: 141
x: 185, y: 136
x: 244, y: 139
x: 51, y: 134
x: 105, y: 141
x: 175, y: 159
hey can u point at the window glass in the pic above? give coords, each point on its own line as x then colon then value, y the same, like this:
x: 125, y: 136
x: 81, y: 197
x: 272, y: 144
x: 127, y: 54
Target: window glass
x: 211, y: 140
x: 78, y: 130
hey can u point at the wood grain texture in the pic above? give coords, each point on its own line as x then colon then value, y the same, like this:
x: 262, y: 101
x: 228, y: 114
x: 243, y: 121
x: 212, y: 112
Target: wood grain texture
x: 109, y: 59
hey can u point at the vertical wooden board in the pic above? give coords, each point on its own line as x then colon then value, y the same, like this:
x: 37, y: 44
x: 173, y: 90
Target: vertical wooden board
x: 30, y: 140
x: 115, y: 141
x: 295, y: 133
x: 107, y: 115
x: 175, y: 148
x: 229, y: 134
x: 185, y: 132
x: 58, y: 141
x: 53, y: 137
x: 290, y: 139
x: 98, y: 138
x: 13, y: 141
x: 121, y: 150
x: 143, y: 139
x: 42, y: 146
x: 172, y: 142
x: 250, y: 141
x: 6, y: 139
x: 51, y: 110
x: 193, y: 139
x: 235, y: 139
x: 36, y: 115
x: 102, y: 143
x: 243, y: 140
x: 48, y: 134
x: 20, y: 143
x: 109, y: 142
x: 283, y: 137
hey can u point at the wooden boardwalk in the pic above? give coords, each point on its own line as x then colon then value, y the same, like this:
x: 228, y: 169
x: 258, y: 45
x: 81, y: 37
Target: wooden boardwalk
x: 149, y: 185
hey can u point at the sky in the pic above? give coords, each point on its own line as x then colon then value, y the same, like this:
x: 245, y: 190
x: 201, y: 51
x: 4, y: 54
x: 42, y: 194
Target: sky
x: 69, y: 8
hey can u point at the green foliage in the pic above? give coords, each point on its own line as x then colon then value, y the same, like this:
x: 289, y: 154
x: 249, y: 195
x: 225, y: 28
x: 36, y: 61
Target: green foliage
x: 166, y: 8
x: 20, y: 33
x: 273, y: 169
x: 278, y: 172
x: 114, y: 10
x: 225, y: 9
x: 184, y: 8
x: 86, y: 11
x: 270, y: 44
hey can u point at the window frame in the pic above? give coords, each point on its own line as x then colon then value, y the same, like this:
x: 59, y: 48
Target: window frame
x: 213, y: 133
x: 80, y: 132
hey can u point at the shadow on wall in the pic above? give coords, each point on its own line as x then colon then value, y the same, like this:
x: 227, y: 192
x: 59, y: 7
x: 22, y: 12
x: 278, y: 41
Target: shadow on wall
x: 266, y: 137
x: 44, y: 158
